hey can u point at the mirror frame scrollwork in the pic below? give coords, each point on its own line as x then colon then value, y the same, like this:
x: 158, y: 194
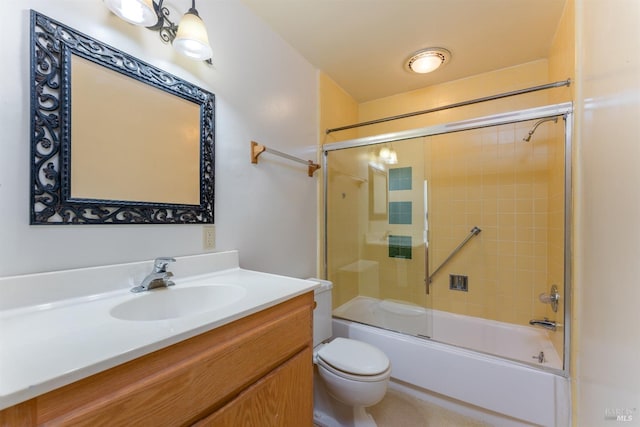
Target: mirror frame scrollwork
x: 52, y: 45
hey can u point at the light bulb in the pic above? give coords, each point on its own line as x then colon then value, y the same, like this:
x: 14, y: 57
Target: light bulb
x: 393, y: 158
x: 137, y: 12
x: 426, y: 63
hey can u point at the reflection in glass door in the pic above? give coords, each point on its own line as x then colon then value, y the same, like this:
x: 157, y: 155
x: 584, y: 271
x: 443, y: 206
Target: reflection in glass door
x: 377, y: 234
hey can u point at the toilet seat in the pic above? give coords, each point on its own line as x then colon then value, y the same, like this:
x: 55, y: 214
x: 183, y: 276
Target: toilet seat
x: 354, y: 360
x: 359, y: 378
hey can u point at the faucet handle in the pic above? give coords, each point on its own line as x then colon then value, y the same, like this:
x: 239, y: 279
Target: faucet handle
x: 160, y: 264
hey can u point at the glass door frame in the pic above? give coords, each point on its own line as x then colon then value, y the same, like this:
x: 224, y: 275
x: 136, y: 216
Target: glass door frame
x: 564, y: 110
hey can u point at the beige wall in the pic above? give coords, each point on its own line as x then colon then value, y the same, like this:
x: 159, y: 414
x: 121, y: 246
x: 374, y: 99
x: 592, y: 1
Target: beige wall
x: 338, y: 108
x: 504, y: 80
x: 562, y: 55
x: 606, y: 313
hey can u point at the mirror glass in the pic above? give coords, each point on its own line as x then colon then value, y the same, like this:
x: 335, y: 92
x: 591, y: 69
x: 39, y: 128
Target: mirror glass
x: 377, y: 192
x: 164, y: 160
x: 115, y: 140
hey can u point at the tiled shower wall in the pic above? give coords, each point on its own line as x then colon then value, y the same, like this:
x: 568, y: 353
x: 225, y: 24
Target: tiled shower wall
x: 490, y: 178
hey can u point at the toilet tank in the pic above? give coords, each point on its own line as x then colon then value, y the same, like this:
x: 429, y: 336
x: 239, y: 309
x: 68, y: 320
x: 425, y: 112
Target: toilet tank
x: 322, y: 330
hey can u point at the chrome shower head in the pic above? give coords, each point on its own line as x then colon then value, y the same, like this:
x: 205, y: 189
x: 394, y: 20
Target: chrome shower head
x: 535, y: 126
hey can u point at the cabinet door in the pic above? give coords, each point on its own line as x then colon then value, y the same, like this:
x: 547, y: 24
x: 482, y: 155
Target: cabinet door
x: 21, y: 415
x: 283, y: 398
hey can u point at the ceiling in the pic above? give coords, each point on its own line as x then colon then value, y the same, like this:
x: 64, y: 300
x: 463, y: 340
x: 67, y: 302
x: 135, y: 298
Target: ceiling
x: 363, y: 44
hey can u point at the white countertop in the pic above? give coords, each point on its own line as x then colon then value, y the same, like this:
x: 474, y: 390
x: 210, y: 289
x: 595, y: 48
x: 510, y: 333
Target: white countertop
x: 48, y: 345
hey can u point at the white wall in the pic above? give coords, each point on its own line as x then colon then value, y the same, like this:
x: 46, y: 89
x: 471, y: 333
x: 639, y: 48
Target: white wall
x: 607, y: 255
x: 265, y: 91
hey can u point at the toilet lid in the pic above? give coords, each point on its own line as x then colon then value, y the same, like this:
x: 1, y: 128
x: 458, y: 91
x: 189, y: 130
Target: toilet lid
x: 355, y: 357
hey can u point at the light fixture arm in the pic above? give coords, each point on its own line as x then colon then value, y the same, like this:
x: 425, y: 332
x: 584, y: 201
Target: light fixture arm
x: 192, y: 10
x: 166, y: 28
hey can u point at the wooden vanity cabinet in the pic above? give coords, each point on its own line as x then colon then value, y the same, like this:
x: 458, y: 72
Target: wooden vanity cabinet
x: 256, y: 371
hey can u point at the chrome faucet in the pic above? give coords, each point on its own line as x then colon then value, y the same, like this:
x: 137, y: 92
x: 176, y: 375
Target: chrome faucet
x: 546, y: 323
x: 158, y: 278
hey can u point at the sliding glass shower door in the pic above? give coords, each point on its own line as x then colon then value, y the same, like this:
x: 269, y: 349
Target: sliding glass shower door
x: 460, y: 236
x: 377, y: 231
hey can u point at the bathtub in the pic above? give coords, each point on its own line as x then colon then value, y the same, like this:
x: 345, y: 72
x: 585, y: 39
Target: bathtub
x: 520, y: 343
x: 520, y: 392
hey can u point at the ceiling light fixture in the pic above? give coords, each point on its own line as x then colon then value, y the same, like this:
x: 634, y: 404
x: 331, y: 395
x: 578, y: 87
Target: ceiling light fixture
x: 428, y: 60
x: 189, y: 37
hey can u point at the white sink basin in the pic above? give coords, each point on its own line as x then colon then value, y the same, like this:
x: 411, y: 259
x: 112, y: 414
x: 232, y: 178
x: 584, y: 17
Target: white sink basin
x: 170, y: 303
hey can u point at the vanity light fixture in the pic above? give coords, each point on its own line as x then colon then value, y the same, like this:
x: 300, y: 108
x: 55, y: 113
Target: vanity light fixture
x: 428, y: 60
x: 393, y: 158
x: 189, y: 37
x: 388, y: 155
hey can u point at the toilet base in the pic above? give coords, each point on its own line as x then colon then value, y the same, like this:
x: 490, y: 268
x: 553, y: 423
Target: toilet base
x: 358, y: 418
x: 330, y: 412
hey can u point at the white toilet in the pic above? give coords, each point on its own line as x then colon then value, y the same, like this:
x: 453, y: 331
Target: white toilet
x: 349, y: 375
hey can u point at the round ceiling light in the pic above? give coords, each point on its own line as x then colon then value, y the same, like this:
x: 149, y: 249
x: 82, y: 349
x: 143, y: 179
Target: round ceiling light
x: 428, y: 60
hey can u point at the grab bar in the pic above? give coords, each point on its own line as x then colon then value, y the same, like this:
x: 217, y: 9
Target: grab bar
x: 427, y: 278
x: 474, y: 231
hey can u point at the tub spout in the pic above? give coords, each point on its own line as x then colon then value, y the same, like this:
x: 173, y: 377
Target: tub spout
x: 546, y: 323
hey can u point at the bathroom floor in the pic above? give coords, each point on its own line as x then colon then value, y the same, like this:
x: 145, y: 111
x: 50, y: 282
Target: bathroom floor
x: 399, y: 409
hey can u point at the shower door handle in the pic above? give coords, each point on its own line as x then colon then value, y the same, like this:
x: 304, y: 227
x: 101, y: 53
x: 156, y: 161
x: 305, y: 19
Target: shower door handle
x: 427, y: 280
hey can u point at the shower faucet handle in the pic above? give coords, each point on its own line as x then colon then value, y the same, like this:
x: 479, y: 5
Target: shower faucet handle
x: 551, y: 298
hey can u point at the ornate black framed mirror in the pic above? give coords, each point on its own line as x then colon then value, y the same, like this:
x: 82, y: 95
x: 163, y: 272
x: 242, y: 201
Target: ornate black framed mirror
x: 114, y: 140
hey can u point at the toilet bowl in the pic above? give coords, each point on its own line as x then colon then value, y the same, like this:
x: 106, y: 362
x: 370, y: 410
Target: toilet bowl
x: 354, y: 372
x: 349, y: 375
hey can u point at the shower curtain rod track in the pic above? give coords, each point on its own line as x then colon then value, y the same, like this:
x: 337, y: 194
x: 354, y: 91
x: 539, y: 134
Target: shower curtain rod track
x: 560, y: 83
